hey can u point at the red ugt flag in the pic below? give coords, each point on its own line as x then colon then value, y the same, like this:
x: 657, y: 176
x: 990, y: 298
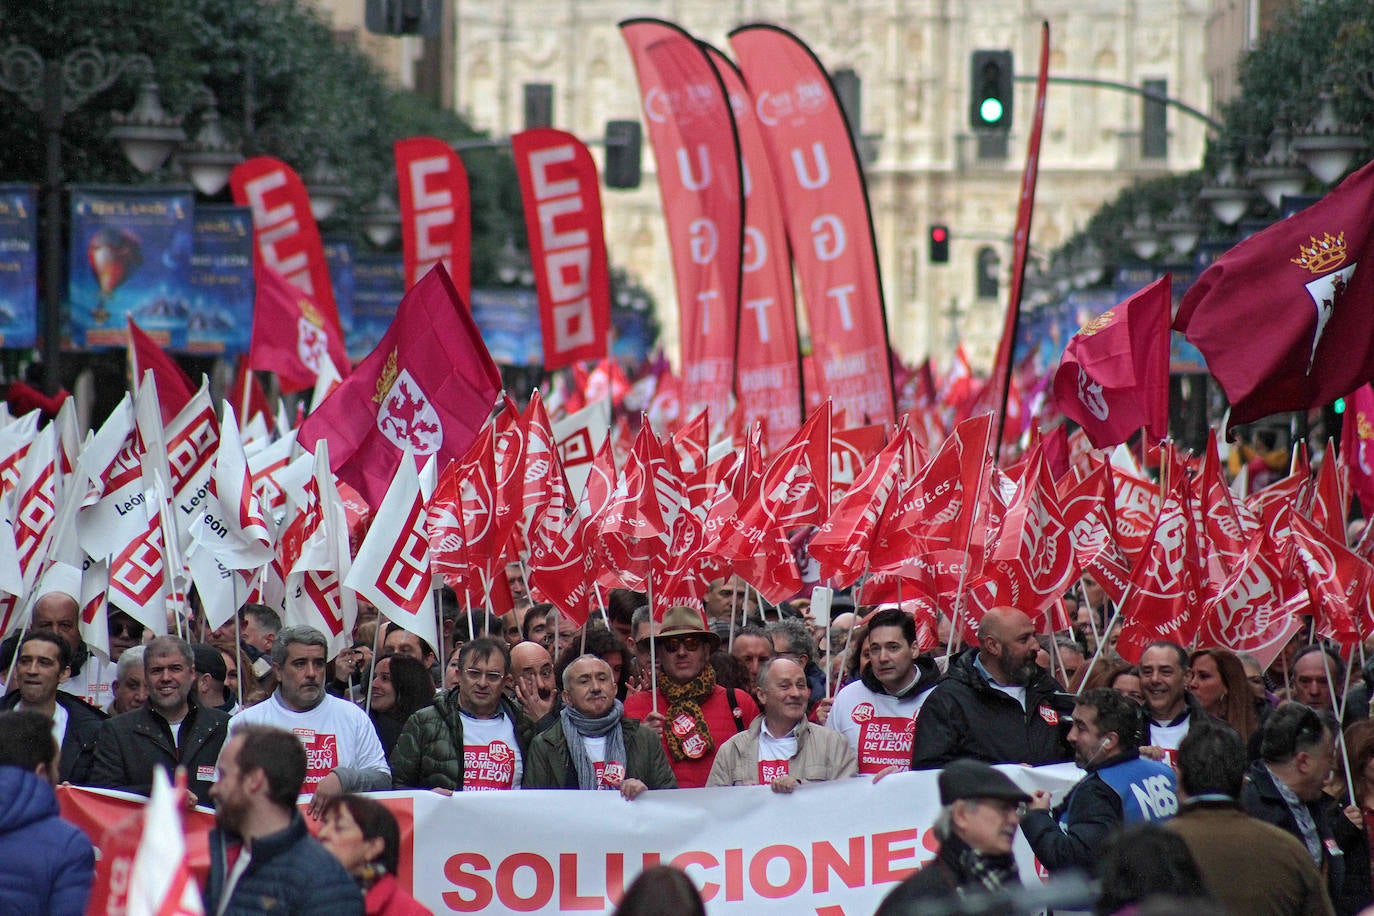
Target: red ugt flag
x: 428, y: 386
x: 1114, y: 376
x: 1283, y: 318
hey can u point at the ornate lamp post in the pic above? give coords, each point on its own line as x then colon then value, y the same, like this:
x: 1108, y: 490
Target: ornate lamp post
x: 54, y: 89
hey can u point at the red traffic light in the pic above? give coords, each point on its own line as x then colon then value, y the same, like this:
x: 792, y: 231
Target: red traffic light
x: 938, y: 233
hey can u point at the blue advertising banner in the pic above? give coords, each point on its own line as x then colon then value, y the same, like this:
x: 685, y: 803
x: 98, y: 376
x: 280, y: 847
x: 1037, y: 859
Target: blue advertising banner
x: 18, y: 266
x: 130, y: 256
x: 509, y: 322
x: 220, y: 281
x: 632, y: 337
x: 338, y: 255
x: 379, y: 282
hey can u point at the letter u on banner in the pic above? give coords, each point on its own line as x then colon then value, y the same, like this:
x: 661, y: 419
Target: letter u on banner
x: 562, y: 200
x: 696, y: 146
x: 825, y: 203
x: 284, y: 229
x: 436, y: 212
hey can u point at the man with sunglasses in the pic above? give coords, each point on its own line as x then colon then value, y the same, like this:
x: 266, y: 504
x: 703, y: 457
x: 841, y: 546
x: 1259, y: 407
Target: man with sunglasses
x: 472, y: 737
x: 691, y: 713
x: 981, y: 808
x: 1121, y: 786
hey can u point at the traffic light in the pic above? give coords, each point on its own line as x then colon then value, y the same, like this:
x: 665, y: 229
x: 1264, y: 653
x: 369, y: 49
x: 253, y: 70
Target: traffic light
x: 1338, y: 406
x: 990, y: 91
x: 939, y: 244
x: 623, y: 142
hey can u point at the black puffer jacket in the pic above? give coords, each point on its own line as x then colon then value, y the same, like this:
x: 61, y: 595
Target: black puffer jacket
x: 290, y: 872
x: 965, y: 716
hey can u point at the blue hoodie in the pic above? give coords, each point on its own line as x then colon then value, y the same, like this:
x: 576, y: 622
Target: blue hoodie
x: 46, y: 864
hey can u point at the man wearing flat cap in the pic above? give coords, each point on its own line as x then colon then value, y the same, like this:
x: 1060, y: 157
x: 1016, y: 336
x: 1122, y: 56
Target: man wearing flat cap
x: 691, y: 713
x: 981, y: 809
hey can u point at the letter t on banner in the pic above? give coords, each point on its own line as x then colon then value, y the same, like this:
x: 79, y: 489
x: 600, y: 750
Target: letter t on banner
x: 567, y: 244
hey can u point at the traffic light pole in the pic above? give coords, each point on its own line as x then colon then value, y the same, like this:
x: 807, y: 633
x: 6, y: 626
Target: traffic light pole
x: 1144, y: 93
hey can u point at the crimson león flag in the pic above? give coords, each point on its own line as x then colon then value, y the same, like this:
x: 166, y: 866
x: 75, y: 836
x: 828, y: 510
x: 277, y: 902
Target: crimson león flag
x: 1283, y: 318
x: 1114, y: 375
x: 291, y: 335
x: 1166, y: 586
x: 428, y: 386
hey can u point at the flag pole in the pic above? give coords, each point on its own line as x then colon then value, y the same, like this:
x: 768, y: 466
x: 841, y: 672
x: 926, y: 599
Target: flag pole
x: 653, y: 650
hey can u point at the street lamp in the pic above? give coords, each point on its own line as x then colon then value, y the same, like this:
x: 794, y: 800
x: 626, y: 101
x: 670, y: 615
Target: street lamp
x: 209, y: 159
x: 1327, y: 146
x: 54, y: 89
x: 1182, y: 229
x: 1278, y: 173
x: 1228, y: 196
x: 381, y: 220
x: 327, y: 191
x: 1142, y: 237
x: 147, y: 134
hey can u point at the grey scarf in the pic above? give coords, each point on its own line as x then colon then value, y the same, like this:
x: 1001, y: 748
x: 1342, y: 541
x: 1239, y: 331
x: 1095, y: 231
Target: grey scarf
x: 577, y: 726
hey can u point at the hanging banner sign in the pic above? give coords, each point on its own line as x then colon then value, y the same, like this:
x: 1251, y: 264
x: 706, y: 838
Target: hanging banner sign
x: 130, y: 257
x: 338, y: 254
x: 220, y: 280
x: 18, y: 266
x: 378, y: 285
x: 509, y: 322
x: 746, y: 848
x: 436, y: 213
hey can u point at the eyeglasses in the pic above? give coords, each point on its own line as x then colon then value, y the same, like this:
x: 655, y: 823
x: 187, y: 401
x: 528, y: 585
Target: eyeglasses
x: 1002, y: 806
x: 129, y: 630
x: 490, y: 677
x: 673, y: 643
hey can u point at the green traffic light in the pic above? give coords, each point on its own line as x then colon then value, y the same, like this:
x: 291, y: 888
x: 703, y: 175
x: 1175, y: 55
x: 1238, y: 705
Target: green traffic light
x: 990, y: 110
x: 1338, y: 405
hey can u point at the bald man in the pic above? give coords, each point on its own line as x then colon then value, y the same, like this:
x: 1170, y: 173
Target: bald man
x: 995, y: 704
x: 532, y: 683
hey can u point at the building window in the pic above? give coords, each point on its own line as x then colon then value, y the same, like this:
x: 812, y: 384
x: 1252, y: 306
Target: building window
x: 1154, y: 125
x: 987, y: 273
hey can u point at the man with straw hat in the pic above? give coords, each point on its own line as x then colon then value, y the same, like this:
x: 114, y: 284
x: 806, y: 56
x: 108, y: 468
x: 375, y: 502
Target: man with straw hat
x: 691, y: 713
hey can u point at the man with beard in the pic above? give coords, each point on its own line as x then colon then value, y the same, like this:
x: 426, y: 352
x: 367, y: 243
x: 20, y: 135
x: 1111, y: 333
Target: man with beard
x: 172, y: 729
x: 877, y: 713
x: 1121, y: 786
x: 596, y: 747
x: 780, y: 748
x: 980, y: 808
x: 691, y: 713
x: 532, y: 683
x: 342, y: 747
x: 995, y: 704
x: 262, y: 857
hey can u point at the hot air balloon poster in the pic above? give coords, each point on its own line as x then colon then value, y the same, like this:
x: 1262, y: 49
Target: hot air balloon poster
x: 18, y: 266
x: 130, y: 256
x: 221, y: 281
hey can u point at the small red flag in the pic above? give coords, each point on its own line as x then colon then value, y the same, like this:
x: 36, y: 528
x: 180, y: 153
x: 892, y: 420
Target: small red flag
x: 1114, y: 376
x: 174, y: 387
x: 291, y: 334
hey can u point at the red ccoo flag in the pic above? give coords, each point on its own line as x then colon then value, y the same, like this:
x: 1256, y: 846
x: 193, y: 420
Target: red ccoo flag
x: 428, y: 386
x: 1114, y: 376
x: 1298, y: 292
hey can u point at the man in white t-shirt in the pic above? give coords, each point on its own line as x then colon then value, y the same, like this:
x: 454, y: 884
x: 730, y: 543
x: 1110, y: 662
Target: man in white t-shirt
x: 1163, y: 678
x: 472, y: 738
x: 343, y: 753
x: 877, y: 713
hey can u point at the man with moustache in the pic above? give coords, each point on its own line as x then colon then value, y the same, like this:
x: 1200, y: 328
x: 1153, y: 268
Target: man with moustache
x: 342, y: 748
x: 995, y: 704
x: 262, y: 857
x: 596, y: 747
x: 172, y: 729
x: 1121, y: 786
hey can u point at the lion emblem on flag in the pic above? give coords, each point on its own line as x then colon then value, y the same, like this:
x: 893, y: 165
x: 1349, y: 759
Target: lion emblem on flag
x: 407, y: 418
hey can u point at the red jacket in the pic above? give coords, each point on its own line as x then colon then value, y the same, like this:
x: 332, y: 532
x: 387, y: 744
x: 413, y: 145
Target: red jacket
x: 386, y: 898
x: 720, y: 722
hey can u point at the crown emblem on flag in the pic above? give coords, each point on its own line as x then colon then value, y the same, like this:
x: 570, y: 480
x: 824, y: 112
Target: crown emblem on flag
x: 309, y: 311
x: 386, y: 379
x: 1323, y: 255
x: 1097, y: 324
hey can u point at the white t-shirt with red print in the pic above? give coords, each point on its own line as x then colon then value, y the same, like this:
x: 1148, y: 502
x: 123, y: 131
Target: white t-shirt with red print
x: 335, y: 734
x: 491, y: 755
x: 880, y: 727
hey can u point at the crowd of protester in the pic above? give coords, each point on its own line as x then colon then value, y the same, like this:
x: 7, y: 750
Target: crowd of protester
x: 1226, y: 776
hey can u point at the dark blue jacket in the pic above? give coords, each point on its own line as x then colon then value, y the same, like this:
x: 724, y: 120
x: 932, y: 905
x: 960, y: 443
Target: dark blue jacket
x: 290, y: 873
x: 46, y: 864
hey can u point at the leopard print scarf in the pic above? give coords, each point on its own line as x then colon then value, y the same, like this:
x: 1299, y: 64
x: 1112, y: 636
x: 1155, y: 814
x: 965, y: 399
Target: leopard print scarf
x: 685, y: 700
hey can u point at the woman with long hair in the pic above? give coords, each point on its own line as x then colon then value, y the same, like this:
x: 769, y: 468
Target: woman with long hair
x: 364, y: 836
x: 1217, y: 680
x: 400, y: 685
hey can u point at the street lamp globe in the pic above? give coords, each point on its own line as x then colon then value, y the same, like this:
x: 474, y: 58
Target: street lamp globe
x: 146, y: 133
